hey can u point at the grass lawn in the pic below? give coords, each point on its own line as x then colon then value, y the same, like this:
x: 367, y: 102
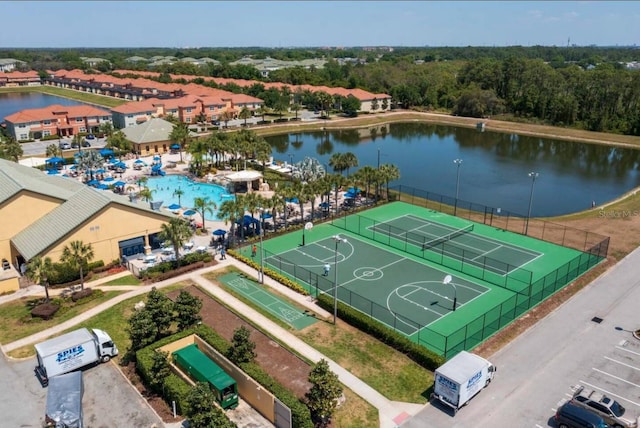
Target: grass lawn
x: 125, y: 280
x: 16, y: 321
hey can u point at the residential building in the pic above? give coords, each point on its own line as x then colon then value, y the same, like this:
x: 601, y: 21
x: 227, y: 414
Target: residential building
x: 10, y: 64
x: 20, y: 78
x: 41, y: 214
x: 92, y: 62
x: 64, y: 121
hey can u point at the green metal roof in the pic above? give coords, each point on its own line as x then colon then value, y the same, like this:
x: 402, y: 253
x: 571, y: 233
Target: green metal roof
x: 151, y: 131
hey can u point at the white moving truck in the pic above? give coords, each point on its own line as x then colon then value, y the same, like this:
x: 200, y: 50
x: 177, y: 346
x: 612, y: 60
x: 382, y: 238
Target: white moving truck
x: 460, y: 378
x: 71, y: 351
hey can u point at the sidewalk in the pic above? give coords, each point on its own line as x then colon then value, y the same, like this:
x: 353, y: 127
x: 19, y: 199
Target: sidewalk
x: 391, y: 413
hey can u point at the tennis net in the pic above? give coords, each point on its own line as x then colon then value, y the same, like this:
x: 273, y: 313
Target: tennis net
x: 448, y: 237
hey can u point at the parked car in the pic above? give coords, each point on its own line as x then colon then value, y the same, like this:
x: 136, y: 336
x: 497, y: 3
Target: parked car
x: 74, y: 145
x: 91, y: 137
x: 85, y: 143
x: 607, y: 408
x: 64, y: 145
x: 572, y: 416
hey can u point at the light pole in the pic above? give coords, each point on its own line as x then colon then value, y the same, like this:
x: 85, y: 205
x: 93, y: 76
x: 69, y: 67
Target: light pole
x: 337, y: 239
x: 533, y: 176
x: 261, y: 276
x: 291, y: 159
x: 458, y: 162
x: 447, y: 280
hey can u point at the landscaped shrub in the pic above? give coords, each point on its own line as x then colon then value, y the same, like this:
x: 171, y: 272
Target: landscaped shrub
x: 77, y: 295
x: 421, y: 355
x: 270, y: 273
x: 46, y: 311
x: 156, y: 275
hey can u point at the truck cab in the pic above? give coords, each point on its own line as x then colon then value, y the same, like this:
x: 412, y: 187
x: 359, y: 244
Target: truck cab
x: 106, y: 347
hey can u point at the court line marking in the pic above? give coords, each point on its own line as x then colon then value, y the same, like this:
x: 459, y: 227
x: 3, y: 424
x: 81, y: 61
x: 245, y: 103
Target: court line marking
x: 244, y: 284
x: 491, y: 240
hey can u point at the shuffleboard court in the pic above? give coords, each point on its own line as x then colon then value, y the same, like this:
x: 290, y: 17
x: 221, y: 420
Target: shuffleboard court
x: 495, y: 256
x: 294, y: 316
x: 408, y: 295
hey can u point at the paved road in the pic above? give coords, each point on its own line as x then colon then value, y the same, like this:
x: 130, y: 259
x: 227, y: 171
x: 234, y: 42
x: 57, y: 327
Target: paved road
x: 537, y: 370
x: 40, y: 147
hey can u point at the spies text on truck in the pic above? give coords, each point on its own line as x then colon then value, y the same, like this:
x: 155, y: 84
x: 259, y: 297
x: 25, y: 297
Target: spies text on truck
x: 72, y: 351
x: 460, y: 378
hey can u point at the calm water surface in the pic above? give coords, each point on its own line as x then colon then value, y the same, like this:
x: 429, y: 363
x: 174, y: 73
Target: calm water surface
x: 15, y: 101
x: 495, y: 166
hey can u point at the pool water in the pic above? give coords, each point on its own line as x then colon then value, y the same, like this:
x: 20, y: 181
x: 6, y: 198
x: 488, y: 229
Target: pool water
x: 164, y: 190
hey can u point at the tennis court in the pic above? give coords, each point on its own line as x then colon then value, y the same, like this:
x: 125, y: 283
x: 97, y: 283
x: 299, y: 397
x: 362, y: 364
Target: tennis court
x: 495, y: 256
x: 412, y: 295
x: 250, y: 289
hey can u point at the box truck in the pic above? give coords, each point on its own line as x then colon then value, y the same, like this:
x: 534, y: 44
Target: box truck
x: 71, y: 351
x: 64, y: 401
x: 460, y: 378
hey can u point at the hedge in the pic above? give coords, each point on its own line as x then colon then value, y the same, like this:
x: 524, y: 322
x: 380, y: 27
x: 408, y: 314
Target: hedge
x: 175, y: 389
x: 418, y: 353
x: 282, y: 279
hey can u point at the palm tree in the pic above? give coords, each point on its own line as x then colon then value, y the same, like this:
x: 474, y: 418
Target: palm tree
x: 367, y: 175
x: 226, y: 116
x: 389, y: 172
x: 11, y: 150
x: 230, y: 211
x: 338, y: 180
x: 53, y: 150
x: 179, y: 192
x: 180, y: 135
x: 203, y: 206
x: 39, y: 270
x: 146, y: 193
x: 245, y: 114
x: 77, y: 140
x: 90, y: 161
x: 107, y: 129
x: 337, y: 162
x: 77, y: 255
x: 177, y: 231
x: 350, y: 160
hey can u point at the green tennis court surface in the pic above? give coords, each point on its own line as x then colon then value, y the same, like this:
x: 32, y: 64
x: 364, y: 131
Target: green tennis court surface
x: 396, y: 258
x: 294, y: 316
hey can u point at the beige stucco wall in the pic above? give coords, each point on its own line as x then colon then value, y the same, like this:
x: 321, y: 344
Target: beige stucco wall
x: 113, y: 224
x: 157, y: 147
x: 19, y: 212
x: 9, y: 284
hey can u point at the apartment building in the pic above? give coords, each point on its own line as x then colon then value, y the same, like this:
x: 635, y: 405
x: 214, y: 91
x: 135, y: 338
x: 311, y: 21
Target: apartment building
x: 64, y: 121
x: 20, y: 78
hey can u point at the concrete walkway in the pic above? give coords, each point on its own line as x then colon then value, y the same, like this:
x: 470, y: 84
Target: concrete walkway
x: 391, y: 413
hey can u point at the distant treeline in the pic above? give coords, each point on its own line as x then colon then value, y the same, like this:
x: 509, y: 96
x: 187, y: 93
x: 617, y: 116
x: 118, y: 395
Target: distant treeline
x: 583, y: 87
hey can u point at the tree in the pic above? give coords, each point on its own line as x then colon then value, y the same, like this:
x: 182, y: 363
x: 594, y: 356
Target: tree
x: 389, y: 172
x: 177, y: 231
x: 187, y: 308
x: 226, y: 116
x: 146, y: 193
x: 204, y: 206
x: 230, y: 211
x: 39, y: 270
x: 77, y: 255
x: 90, y: 161
x: 351, y: 105
x: 11, y: 150
x: 201, y: 411
x: 53, y: 150
x: 245, y: 114
x: 160, y: 308
x: 142, y: 330
x: 322, y: 398
x: 242, y: 349
x: 160, y: 370
x: 179, y: 192
x: 180, y: 135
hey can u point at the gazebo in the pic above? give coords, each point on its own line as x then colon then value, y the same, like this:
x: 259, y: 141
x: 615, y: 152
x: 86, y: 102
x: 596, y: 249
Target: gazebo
x: 245, y: 181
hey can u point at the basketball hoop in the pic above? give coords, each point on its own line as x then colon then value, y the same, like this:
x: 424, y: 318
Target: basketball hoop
x: 307, y: 226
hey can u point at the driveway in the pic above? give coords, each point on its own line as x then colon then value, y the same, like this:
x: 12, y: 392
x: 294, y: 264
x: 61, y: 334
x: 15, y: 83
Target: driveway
x: 537, y: 370
x: 108, y: 401
x: 37, y: 148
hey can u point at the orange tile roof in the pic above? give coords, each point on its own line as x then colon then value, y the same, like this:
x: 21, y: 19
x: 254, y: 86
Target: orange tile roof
x: 53, y: 112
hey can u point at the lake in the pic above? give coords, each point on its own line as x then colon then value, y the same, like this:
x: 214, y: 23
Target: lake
x: 13, y: 102
x: 495, y: 168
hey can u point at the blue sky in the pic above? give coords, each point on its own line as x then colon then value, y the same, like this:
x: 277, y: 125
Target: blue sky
x: 317, y: 23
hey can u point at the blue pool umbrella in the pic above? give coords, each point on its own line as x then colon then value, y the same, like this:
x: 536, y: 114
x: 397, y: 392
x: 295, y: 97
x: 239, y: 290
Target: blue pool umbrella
x: 175, y: 146
x: 77, y: 154
x: 174, y: 207
x: 324, y: 205
x: 350, y: 195
x: 103, y: 186
x: 354, y: 190
x: 93, y: 182
x: 100, y: 171
x: 109, y: 179
x: 266, y: 216
x: 73, y: 167
x: 120, y: 165
x: 189, y: 213
x: 156, y: 158
x: 293, y: 200
x: 52, y: 171
x: 54, y: 160
x: 119, y: 184
x: 219, y: 232
x: 139, y: 161
x: 106, y: 152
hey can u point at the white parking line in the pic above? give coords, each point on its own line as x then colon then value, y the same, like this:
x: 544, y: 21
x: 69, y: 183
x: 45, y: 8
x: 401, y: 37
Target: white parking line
x: 626, y: 350
x: 622, y: 364
x: 616, y: 377
x: 609, y: 393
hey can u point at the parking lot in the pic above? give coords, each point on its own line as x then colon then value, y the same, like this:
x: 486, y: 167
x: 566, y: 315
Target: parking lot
x: 587, y: 341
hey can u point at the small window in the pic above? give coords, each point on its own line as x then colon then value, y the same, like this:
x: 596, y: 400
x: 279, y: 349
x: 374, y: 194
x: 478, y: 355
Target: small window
x: 22, y: 125
x: 188, y: 120
x: 46, y: 133
x: 79, y: 119
x: 24, y: 136
x: 46, y: 122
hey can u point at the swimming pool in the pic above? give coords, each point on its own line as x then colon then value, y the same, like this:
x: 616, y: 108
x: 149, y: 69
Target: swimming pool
x: 164, y: 190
